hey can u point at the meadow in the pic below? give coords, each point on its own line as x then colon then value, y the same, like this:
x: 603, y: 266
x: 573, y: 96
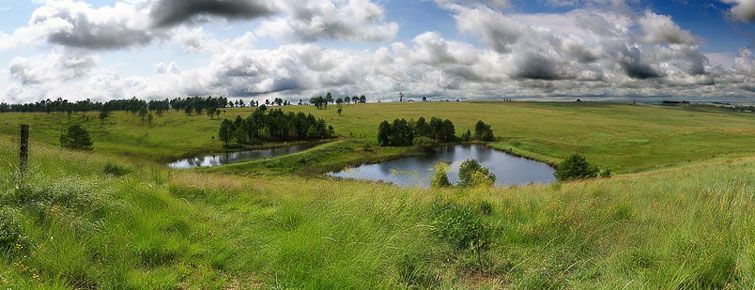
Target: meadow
x: 679, y: 213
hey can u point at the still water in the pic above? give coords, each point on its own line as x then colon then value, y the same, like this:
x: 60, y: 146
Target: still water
x: 417, y: 171
x: 236, y: 157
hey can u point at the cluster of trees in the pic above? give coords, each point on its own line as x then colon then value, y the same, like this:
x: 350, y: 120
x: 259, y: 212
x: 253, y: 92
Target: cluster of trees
x: 274, y: 125
x: 190, y: 105
x: 133, y: 105
x: 403, y: 133
x: 322, y: 102
x: 471, y: 174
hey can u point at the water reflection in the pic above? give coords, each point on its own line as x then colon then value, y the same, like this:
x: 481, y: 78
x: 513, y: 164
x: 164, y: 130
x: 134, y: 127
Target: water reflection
x: 417, y: 171
x: 236, y: 157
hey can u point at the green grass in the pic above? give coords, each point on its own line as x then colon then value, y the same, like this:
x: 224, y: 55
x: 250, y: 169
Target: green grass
x: 623, y: 138
x: 72, y: 223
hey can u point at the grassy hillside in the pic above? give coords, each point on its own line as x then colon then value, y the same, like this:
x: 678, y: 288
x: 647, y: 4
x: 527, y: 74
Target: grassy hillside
x: 70, y: 223
x: 624, y: 138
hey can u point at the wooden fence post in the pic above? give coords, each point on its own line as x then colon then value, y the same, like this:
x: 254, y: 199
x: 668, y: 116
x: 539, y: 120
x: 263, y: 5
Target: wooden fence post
x: 24, y: 152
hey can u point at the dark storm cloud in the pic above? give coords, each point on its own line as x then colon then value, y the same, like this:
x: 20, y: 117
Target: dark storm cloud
x: 76, y: 24
x: 632, y: 64
x: 537, y: 67
x: 88, y: 35
x: 166, y: 13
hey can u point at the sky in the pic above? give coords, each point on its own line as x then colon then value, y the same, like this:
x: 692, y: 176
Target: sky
x: 296, y: 49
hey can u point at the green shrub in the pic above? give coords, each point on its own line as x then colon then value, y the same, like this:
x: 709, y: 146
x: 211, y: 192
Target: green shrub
x: 10, y: 229
x: 606, y: 173
x: 472, y: 174
x: 461, y: 227
x: 440, y: 177
x: 425, y: 144
x: 76, y: 138
x: 575, y: 167
x: 483, y: 132
x: 116, y: 169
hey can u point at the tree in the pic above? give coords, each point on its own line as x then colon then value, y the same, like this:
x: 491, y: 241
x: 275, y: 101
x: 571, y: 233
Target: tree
x: 329, y: 98
x: 240, y: 135
x: 76, y: 138
x: 425, y: 144
x: 424, y: 99
x: 440, y: 175
x: 211, y: 112
x: 104, y: 114
x: 421, y: 128
x: 384, y: 133
x: 575, y: 167
x: 226, y: 131
x: 143, y: 114
x: 467, y: 136
x: 472, y: 174
x: 402, y: 134
x: 362, y: 99
x: 483, y: 132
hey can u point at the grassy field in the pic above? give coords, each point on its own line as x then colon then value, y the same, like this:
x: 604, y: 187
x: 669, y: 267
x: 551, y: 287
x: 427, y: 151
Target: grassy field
x: 623, y: 138
x: 682, y: 214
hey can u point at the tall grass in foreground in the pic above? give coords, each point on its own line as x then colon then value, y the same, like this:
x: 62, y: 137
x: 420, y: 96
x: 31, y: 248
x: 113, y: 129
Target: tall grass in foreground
x: 74, y: 224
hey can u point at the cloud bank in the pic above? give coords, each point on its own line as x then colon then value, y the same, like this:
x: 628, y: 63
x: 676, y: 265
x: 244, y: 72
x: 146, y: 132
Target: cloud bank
x: 594, y: 51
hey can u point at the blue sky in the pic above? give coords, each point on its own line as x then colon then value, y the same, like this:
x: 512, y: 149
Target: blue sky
x: 467, y: 48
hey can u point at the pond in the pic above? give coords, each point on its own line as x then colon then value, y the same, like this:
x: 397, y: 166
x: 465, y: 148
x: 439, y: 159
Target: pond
x: 418, y: 171
x: 239, y: 156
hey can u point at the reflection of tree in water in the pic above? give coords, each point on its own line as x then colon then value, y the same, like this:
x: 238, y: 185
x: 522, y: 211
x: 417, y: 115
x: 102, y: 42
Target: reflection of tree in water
x: 223, y: 159
x: 482, y: 154
x: 195, y: 162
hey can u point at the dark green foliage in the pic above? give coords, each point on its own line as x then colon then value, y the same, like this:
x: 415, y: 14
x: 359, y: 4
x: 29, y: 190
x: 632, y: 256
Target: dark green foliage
x: 461, y: 227
x: 226, y: 131
x: 402, y: 132
x: 442, y: 130
x: 384, y: 133
x: 421, y: 128
x: 319, y: 102
x: 115, y: 169
x: 483, y: 132
x: 76, y: 138
x: 275, y: 125
x: 133, y: 105
x: 425, y: 144
x: 467, y: 136
x: 471, y: 174
x: 575, y: 167
x: 605, y: 173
